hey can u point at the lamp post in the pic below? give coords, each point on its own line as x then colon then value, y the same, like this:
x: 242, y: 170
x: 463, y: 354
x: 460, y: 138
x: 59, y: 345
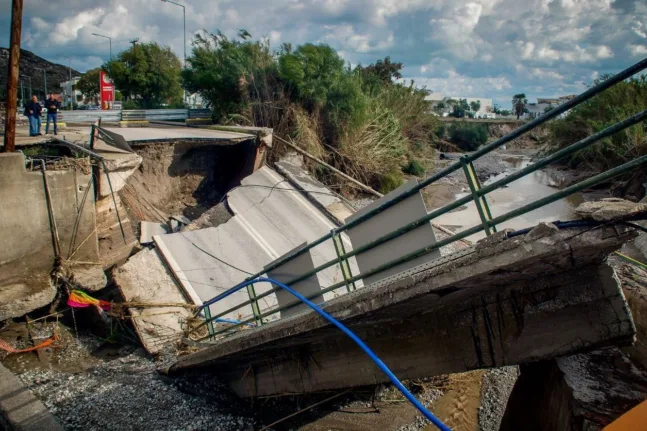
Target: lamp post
x: 69, y: 64
x: 44, y: 80
x: 109, y: 38
x: 183, y: 37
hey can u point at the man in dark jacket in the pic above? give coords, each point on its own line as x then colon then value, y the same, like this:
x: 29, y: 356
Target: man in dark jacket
x: 32, y: 111
x: 52, y: 105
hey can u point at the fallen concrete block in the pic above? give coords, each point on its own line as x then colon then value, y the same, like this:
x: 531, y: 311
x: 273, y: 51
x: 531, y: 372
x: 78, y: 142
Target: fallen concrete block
x: 163, y: 312
x: 20, y: 298
x: 20, y: 410
x: 610, y: 209
x: 91, y: 277
x: 148, y: 229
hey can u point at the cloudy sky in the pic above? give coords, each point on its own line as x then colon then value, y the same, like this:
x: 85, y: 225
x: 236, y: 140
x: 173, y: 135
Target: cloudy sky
x: 470, y: 48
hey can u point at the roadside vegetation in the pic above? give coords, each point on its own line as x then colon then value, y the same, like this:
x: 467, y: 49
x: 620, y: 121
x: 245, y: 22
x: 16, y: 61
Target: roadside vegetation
x: 611, y: 106
x: 358, y: 119
x: 147, y: 75
x: 468, y: 136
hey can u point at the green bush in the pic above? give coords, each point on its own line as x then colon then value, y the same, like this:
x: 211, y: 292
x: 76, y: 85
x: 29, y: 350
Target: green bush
x: 131, y: 104
x: 607, y: 108
x: 414, y: 167
x: 468, y: 136
x: 391, y: 181
x: 441, y: 131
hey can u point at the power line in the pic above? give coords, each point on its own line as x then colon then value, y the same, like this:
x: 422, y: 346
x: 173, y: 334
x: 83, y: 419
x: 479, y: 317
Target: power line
x: 215, y: 257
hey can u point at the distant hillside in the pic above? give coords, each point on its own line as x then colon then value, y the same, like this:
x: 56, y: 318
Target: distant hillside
x: 30, y: 64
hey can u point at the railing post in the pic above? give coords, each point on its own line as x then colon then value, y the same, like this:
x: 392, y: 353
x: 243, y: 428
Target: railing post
x: 207, y: 318
x: 343, y: 263
x: 480, y: 201
x: 251, y: 292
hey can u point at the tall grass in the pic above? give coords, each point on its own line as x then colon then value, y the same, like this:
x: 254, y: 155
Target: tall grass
x: 613, y: 105
x: 371, y: 128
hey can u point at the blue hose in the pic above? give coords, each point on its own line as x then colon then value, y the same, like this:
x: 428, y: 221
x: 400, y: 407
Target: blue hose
x: 417, y: 404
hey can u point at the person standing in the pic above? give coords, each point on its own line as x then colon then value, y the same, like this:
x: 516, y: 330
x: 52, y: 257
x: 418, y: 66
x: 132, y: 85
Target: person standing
x: 32, y: 111
x: 52, y: 105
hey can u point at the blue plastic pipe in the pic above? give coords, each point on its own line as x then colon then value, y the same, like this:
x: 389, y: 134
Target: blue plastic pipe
x: 417, y: 404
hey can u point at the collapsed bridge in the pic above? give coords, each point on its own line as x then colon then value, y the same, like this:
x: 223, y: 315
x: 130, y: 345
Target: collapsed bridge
x: 512, y: 298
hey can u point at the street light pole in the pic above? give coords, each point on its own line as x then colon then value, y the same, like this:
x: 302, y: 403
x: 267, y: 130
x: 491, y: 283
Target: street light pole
x: 109, y: 38
x: 44, y: 79
x: 69, y: 64
x: 183, y: 36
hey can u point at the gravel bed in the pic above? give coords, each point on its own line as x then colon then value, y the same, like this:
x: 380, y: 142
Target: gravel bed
x: 129, y: 394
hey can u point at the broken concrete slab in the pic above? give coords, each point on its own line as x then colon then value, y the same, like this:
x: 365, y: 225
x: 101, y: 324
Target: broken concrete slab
x: 213, y: 217
x: 472, y: 309
x: 267, y: 223
x: 145, y: 280
x: 206, y: 262
x: 148, y: 229
x: 119, y: 167
x: 389, y: 220
x: 292, y: 168
x: 21, y: 297
x: 291, y: 270
x: 283, y: 219
x: 583, y: 392
x: 20, y: 410
x: 610, y: 209
x: 88, y: 277
x: 182, y: 219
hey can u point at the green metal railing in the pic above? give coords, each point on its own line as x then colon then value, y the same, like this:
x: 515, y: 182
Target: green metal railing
x: 477, y: 195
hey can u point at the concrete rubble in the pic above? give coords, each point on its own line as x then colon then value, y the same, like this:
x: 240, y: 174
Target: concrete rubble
x: 145, y: 280
x: 611, y: 209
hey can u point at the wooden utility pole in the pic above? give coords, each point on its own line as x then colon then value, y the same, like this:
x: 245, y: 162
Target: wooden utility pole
x: 12, y: 81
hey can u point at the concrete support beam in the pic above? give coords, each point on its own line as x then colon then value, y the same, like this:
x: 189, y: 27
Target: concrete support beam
x: 502, y: 302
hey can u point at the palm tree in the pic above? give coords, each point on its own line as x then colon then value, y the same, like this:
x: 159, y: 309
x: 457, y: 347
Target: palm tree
x: 519, y: 102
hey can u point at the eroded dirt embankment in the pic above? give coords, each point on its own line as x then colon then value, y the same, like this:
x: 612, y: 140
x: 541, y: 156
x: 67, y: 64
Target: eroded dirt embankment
x: 182, y: 178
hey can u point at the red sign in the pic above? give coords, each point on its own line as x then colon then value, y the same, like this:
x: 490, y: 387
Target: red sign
x: 107, y: 90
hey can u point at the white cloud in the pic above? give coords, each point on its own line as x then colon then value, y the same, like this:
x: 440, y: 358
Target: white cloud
x: 68, y: 29
x: 488, y: 47
x: 638, y: 49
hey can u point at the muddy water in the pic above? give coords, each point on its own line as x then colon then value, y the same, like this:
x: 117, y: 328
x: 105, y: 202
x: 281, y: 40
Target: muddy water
x: 517, y: 194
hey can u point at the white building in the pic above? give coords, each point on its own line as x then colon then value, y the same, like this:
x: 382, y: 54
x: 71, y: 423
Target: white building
x: 485, y: 110
x: 70, y: 94
x: 542, y: 105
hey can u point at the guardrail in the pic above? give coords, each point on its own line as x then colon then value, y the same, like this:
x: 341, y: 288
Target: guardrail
x: 90, y: 116
x: 478, y: 195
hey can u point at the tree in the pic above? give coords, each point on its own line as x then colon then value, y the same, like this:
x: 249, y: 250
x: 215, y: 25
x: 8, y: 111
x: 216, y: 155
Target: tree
x: 312, y: 70
x: 460, y: 108
x: 148, y: 74
x: 89, y: 84
x: 440, y: 107
x: 548, y: 108
x: 519, y: 102
x: 224, y: 72
x: 475, y: 105
x: 384, y: 70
